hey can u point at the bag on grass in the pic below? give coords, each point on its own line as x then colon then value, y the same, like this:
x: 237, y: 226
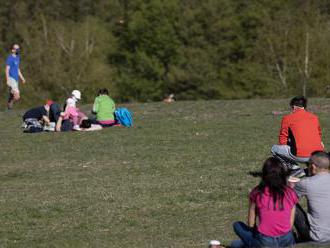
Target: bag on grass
x: 124, y: 117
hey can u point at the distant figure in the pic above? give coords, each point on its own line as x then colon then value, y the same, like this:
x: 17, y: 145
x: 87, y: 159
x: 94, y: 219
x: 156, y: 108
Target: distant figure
x: 272, y: 202
x: 104, y: 108
x: 72, y: 112
x: 169, y: 99
x: 315, y: 225
x: 13, y: 74
x: 300, y: 133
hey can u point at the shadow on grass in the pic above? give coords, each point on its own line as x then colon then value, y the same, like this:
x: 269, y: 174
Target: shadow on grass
x: 13, y: 175
x: 255, y: 173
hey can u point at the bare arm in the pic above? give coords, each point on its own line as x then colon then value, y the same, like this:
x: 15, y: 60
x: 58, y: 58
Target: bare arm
x: 293, y: 212
x: 21, y: 76
x: 46, y: 119
x: 95, y: 106
x: 59, y: 124
x: 252, y: 214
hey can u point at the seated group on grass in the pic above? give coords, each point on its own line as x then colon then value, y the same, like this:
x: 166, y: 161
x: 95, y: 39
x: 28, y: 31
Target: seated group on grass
x: 49, y: 117
x: 273, y: 204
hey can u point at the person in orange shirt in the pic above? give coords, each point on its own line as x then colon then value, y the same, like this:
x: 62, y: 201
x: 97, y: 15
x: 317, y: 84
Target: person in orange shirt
x: 300, y: 133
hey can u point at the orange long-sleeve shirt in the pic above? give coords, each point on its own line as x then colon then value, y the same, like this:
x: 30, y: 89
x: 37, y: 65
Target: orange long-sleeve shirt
x: 301, y: 130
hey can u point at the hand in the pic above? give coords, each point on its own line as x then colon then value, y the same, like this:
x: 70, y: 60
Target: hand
x: 23, y: 80
x: 292, y: 181
x: 58, y: 128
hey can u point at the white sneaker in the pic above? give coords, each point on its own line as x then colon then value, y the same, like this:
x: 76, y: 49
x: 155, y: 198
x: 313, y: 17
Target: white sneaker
x: 76, y: 128
x: 24, y: 125
x: 294, y: 167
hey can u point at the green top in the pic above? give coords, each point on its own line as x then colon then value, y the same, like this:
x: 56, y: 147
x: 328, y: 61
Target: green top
x: 104, y: 107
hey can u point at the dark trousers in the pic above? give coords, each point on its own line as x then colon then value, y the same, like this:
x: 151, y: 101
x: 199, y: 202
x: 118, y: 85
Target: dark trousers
x: 302, y: 225
x: 94, y: 121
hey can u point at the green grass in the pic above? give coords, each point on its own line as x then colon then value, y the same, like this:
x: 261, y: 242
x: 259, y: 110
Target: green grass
x: 177, y: 179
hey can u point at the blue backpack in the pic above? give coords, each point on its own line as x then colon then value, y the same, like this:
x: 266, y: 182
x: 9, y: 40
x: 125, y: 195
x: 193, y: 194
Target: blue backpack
x: 124, y: 117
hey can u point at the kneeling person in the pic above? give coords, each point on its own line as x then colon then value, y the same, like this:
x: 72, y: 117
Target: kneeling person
x: 39, y: 113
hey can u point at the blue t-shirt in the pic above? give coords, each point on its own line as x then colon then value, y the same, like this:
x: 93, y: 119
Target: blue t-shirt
x: 13, y: 62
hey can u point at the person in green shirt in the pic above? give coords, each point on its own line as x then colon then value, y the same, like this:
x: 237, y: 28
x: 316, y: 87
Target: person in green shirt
x: 104, y: 108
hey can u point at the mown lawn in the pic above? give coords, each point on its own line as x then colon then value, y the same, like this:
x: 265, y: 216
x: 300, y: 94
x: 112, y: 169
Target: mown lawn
x: 179, y: 178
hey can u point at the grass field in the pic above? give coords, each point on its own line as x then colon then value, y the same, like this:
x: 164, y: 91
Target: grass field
x: 179, y: 178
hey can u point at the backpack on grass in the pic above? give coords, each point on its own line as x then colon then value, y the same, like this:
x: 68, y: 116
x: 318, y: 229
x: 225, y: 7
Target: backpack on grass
x: 124, y: 117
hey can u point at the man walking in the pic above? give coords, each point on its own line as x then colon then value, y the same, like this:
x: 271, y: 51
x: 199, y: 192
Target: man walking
x: 13, y: 75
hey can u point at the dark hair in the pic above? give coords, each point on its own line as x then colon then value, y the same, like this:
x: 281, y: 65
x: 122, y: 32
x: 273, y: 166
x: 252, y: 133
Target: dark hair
x: 320, y: 159
x: 86, y: 123
x: 299, y: 101
x: 274, y: 178
x: 12, y: 46
x: 103, y: 91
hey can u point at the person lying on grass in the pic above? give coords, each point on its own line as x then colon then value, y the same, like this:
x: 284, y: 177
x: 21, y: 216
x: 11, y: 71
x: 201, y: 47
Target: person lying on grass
x: 315, y: 225
x: 85, y: 126
x: 104, y: 108
x: 272, y: 202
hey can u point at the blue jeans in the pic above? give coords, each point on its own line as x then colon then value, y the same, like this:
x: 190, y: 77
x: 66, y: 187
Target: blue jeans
x: 251, y: 238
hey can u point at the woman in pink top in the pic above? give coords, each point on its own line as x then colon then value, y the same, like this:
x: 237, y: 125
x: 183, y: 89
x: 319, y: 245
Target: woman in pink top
x: 272, y: 202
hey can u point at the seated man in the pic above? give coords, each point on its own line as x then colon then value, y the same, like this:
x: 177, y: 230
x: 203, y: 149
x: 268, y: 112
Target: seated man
x: 300, y: 133
x: 316, y: 225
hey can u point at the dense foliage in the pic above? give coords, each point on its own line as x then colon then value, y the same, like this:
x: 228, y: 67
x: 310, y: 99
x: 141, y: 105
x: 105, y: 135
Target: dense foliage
x: 143, y: 50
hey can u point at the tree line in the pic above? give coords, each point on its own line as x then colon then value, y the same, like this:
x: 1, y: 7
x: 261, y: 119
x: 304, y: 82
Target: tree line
x: 143, y: 50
